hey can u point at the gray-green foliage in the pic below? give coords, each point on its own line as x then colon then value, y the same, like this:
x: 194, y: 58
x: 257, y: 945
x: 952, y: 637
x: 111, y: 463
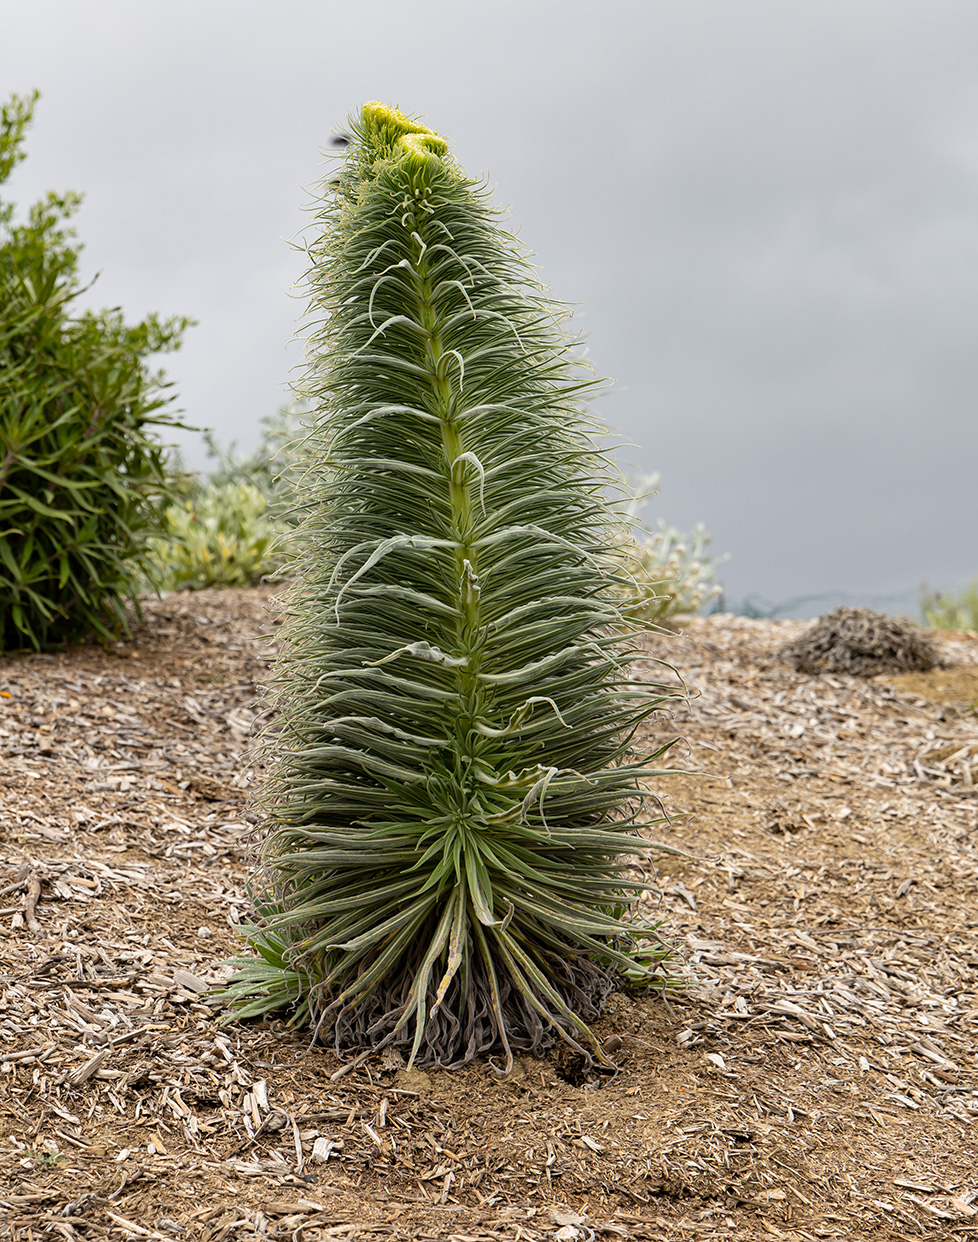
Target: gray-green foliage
x: 452, y: 793
x: 234, y: 528
x: 949, y: 611
x: 666, y: 572
x: 222, y: 535
x: 276, y: 465
x: 81, y: 469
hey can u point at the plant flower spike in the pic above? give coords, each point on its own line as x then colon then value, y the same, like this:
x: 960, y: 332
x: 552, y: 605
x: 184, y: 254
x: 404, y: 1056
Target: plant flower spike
x: 451, y: 792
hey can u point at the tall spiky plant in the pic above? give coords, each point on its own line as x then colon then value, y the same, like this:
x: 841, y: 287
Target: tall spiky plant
x: 450, y: 792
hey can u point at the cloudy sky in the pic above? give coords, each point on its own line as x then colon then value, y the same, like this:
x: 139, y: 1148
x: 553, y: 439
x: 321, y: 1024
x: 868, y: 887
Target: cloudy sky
x: 767, y: 211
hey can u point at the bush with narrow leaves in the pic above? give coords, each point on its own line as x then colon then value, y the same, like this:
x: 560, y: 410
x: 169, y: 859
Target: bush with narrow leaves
x: 81, y: 470
x: 667, y: 573
x: 452, y: 795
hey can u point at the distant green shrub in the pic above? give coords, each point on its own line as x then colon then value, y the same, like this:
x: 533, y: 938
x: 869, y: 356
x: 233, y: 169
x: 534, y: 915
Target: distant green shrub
x: 235, y: 527
x: 275, y: 466
x: 951, y: 612
x: 665, y: 572
x: 668, y: 573
x: 222, y: 535
x: 82, y: 473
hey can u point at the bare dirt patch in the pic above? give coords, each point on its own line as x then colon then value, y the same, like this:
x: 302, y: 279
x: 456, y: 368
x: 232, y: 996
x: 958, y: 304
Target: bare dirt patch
x: 819, y: 1079
x: 958, y: 684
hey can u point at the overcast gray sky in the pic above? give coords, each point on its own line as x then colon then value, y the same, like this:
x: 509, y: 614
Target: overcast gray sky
x: 767, y: 209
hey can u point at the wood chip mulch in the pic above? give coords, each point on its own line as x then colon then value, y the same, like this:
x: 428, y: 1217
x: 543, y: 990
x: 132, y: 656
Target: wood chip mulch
x: 818, y: 1079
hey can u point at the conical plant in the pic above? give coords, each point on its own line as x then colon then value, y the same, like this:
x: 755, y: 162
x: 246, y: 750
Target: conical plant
x: 451, y: 792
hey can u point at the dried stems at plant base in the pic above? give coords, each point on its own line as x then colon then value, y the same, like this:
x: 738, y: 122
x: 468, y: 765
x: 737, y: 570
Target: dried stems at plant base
x: 451, y: 795
x: 862, y: 642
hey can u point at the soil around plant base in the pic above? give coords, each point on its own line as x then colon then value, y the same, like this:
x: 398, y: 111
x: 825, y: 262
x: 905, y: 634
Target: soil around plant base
x: 819, y: 1078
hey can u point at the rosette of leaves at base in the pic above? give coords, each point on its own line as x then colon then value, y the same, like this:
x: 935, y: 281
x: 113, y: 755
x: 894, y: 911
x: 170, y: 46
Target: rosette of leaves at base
x: 452, y: 795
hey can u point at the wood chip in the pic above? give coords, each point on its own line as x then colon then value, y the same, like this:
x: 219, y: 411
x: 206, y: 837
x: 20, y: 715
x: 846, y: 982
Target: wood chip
x: 88, y: 1069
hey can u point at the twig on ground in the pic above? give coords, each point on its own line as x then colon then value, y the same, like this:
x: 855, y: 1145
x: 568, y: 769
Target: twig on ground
x: 31, y: 900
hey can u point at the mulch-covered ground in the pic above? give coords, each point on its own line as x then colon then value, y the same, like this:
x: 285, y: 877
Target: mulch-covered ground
x: 818, y: 1080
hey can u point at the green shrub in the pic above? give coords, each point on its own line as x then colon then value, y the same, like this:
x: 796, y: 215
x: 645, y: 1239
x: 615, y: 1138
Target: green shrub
x: 276, y: 465
x: 452, y: 795
x: 951, y: 612
x: 665, y: 571
x: 81, y: 470
x: 668, y: 573
x: 222, y: 535
x: 234, y: 528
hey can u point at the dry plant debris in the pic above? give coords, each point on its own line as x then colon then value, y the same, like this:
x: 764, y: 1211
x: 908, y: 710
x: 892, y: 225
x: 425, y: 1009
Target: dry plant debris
x: 818, y: 1080
x: 863, y: 643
